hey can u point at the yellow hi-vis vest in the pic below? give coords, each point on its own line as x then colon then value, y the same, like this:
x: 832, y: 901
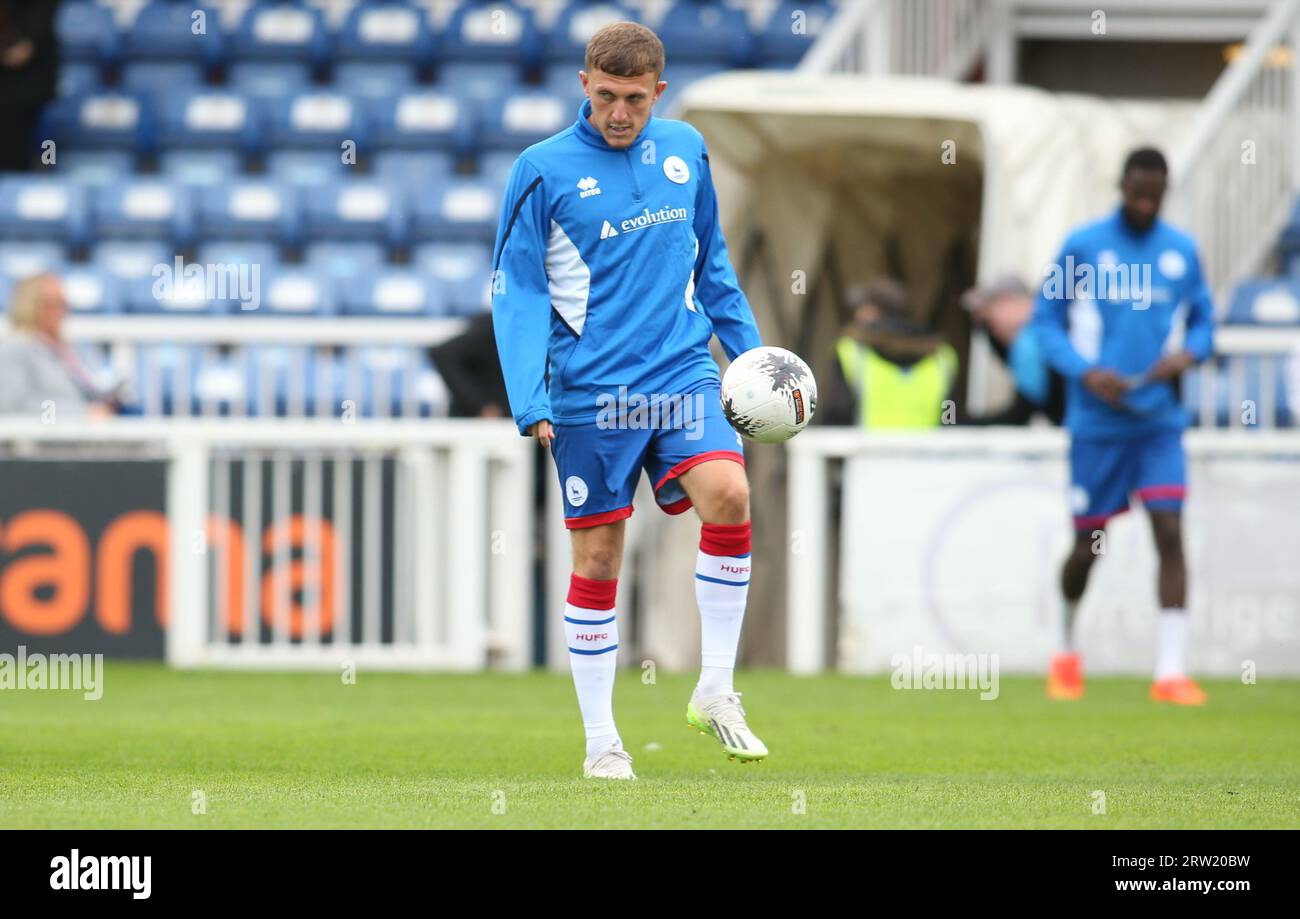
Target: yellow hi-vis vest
x: 890, y: 396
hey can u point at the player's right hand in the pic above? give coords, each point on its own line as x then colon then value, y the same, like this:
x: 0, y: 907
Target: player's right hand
x: 1106, y: 385
x: 544, y: 431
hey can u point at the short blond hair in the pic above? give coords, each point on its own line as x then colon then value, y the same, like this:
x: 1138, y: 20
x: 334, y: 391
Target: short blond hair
x: 625, y: 49
x: 26, y: 299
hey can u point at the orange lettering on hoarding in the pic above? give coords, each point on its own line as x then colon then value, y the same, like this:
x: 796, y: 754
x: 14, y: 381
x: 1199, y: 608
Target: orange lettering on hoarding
x: 126, y: 535
x: 65, y: 568
x: 315, y: 567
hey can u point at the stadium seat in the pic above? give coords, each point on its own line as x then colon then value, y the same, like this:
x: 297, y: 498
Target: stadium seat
x: 20, y: 259
x: 494, y: 168
x: 165, y: 294
x: 281, y: 33
x: 43, y: 207
x: 164, y: 378
x: 297, y: 291
x: 131, y: 259
x: 92, y: 168
x: 373, y: 79
x: 145, y: 208
x: 1266, y: 302
x: 269, y: 79
x: 566, y: 40
x: 91, y: 291
x: 305, y: 169
x: 207, y: 119
x: 78, y: 79
x: 175, y: 32
x: 283, y: 380
x: 391, y: 382
x: 706, y: 33
x: 360, y: 209
x: 465, y: 209
x: 111, y: 120
x: 461, y: 269
x: 87, y: 34
x: 399, y: 292
x: 386, y: 32
x: 521, y: 119
x: 221, y: 386
x: 239, y: 252
x: 251, y: 210
x: 158, y: 78
x: 424, y: 120
x: 409, y: 168
x: 777, y: 44
x: 319, y: 122
x: 486, y: 46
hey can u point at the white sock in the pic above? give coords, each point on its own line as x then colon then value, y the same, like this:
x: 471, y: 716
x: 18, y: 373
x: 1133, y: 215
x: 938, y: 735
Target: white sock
x: 721, y: 588
x: 1171, y: 643
x: 592, y: 637
x: 1070, y: 608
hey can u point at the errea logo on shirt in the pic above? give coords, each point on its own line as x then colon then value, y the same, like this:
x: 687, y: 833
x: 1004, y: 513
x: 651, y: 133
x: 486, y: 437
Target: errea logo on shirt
x: 587, y: 187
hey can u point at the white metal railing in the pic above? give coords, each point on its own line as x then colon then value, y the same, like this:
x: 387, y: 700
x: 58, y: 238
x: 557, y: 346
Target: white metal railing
x: 228, y: 370
x: 307, y: 544
x: 1236, y: 177
x: 1240, y: 476
x: 942, y: 38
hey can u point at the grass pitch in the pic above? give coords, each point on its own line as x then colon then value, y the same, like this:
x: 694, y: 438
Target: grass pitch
x: 405, y: 750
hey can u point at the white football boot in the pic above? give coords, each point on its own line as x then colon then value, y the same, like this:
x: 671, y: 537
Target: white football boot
x: 614, y: 763
x: 722, y: 717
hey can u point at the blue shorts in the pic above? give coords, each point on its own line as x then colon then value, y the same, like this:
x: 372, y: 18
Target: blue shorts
x: 1104, y: 472
x: 599, y: 464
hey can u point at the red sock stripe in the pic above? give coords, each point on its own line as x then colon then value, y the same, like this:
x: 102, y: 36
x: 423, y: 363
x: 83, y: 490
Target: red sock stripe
x: 586, y: 593
x: 726, y: 539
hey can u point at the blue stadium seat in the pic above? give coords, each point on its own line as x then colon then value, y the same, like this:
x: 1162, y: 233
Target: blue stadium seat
x: 166, y: 294
x: 566, y: 42
x: 78, y: 79
x: 561, y: 79
x: 251, y: 210
x: 479, y: 81
x: 131, y: 259
x: 492, y: 31
x: 145, y: 208
x: 209, y: 119
x: 239, y: 252
x: 342, y: 261
x: 413, y: 169
x: 305, y: 169
x: 91, y: 291
x: 281, y: 33
x: 321, y: 122
x: 221, y: 386
x: 123, y: 121
x: 92, y: 168
x: 494, y: 168
x: 462, y: 210
x: 200, y: 168
x: 402, y: 292
x: 1266, y: 302
x: 297, y: 291
x: 87, y: 34
x: 360, y: 209
x: 386, y: 32
x: 705, y: 33
x: 43, y: 207
x: 164, y: 380
x: 520, y: 119
x: 463, y: 270
x: 157, y: 78
x: 777, y: 44
x: 20, y: 259
x: 176, y: 32
x: 424, y: 120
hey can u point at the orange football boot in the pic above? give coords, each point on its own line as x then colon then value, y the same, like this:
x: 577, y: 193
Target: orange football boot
x: 1065, y: 677
x: 1179, y: 690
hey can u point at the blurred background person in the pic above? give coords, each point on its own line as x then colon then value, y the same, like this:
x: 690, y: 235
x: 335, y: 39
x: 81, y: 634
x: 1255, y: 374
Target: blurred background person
x: 29, y: 76
x: 38, y: 368
x: 1004, y: 310
x: 890, y: 372
x: 469, y: 365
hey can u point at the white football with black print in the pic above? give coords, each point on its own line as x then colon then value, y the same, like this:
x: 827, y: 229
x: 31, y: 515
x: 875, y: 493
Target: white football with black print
x: 769, y: 394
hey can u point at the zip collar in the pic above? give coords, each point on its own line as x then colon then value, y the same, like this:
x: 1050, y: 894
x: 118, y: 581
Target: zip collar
x: 589, y: 135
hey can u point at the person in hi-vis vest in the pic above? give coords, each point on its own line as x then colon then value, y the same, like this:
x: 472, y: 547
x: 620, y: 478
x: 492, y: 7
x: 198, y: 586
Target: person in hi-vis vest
x: 891, y: 372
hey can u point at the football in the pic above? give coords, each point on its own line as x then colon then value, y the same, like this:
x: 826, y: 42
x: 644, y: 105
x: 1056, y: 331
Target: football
x: 769, y: 394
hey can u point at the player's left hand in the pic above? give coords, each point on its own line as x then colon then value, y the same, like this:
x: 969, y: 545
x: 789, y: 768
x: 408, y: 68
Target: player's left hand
x: 1170, y: 366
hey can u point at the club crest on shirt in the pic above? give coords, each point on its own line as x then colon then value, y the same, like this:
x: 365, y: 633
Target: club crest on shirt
x: 676, y: 170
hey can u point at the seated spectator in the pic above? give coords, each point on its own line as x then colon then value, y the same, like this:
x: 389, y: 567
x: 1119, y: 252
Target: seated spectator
x: 892, y: 372
x: 1004, y: 310
x: 40, y: 374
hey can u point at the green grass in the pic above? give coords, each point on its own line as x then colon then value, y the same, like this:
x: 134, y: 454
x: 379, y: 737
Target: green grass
x: 404, y: 750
